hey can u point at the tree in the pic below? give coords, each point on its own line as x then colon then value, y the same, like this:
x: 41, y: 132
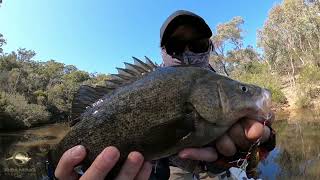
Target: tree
x: 228, y: 37
x: 290, y: 38
x: 2, y: 42
x: 25, y: 55
x: 43, y: 89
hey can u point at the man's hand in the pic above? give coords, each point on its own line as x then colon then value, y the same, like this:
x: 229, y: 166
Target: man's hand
x: 241, y: 135
x: 133, y: 168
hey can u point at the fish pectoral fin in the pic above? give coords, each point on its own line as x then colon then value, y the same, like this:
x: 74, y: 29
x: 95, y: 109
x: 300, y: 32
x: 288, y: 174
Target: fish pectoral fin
x: 187, y: 141
x: 180, y: 137
x: 185, y: 126
x: 190, y: 140
x: 185, y: 133
x: 168, y: 133
x: 164, y: 137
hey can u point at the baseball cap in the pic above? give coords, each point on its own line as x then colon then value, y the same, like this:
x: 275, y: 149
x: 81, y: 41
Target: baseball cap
x: 181, y: 17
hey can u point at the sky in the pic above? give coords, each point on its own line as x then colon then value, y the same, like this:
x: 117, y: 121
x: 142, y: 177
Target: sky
x: 99, y: 35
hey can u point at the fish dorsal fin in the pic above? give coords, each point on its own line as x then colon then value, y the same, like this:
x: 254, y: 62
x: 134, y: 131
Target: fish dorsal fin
x: 85, y: 97
x: 150, y: 63
x: 88, y: 96
x: 131, y: 72
x: 143, y: 65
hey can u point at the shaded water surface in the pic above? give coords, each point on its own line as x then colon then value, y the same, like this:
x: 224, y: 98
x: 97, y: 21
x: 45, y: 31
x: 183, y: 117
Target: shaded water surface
x: 297, y: 155
x: 23, y: 153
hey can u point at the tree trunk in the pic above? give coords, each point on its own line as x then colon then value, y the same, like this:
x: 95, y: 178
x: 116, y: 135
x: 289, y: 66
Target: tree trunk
x: 225, y: 69
x: 293, y: 70
x: 269, y: 66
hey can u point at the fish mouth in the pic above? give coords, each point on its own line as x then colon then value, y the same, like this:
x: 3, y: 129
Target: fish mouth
x: 262, y: 112
x: 262, y: 118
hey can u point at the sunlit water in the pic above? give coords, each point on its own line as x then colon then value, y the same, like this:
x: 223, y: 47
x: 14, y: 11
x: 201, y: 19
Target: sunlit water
x: 296, y: 156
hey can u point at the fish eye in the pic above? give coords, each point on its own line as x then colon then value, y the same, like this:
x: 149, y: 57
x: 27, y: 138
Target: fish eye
x: 244, y: 88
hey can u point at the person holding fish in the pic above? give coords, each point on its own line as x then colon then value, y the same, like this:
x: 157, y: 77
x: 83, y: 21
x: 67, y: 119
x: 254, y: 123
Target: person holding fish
x: 185, y: 41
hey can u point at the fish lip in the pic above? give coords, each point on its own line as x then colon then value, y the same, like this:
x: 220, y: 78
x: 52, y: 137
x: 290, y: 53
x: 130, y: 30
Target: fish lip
x: 262, y: 111
x: 261, y: 117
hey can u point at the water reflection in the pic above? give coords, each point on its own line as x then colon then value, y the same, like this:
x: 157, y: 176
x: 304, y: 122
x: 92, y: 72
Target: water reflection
x: 297, y: 155
x: 23, y: 153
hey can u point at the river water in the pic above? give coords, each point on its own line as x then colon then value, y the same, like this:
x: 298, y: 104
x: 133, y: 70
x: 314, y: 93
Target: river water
x: 296, y: 156
x: 23, y: 153
x: 297, y: 153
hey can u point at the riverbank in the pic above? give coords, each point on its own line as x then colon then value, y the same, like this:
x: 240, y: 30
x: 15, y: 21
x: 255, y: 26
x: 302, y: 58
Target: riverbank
x: 292, y: 110
x: 295, y: 99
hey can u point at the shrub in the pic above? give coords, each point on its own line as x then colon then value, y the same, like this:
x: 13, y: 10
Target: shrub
x: 309, y: 74
x: 308, y: 79
x: 19, y: 113
x: 303, y: 101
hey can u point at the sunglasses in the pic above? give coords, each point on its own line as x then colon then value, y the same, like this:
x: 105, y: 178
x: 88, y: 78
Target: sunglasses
x: 178, y: 46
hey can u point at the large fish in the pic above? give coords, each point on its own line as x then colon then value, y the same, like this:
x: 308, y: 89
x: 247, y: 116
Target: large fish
x: 158, y: 111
